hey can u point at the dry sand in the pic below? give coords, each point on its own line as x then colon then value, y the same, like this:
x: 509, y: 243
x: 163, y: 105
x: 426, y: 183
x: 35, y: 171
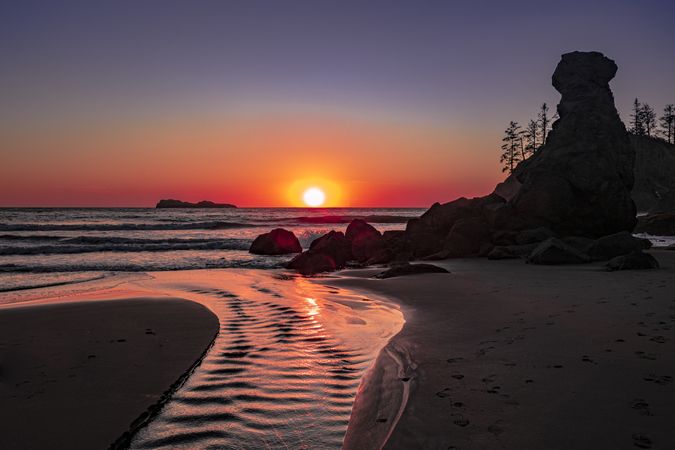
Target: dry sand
x: 504, y: 355
x: 77, y: 375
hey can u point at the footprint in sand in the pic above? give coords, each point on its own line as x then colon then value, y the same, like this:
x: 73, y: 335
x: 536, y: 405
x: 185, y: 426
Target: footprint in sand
x: 461, y: 421
x: 659, y: 339
x: 642, y: 355
x: 640, y: 405
x: 445, y: 393
x: 661, y: 380
x: 641, y: 440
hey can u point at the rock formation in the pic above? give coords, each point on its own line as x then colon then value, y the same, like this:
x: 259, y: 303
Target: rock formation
x: 633, y: 261
x: 276, y: 242
x: 577, y: 184
x: 171, y: 203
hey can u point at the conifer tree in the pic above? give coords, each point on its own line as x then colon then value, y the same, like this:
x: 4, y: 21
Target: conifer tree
x: 667, y: 122
x: 511, y: 147
x: 648, y: 119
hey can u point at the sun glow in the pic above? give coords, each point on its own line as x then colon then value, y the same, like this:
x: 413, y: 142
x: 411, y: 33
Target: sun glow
x: 314, y: 197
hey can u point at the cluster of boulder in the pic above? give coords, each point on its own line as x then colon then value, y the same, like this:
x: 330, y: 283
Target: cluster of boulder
x: 568, y: 203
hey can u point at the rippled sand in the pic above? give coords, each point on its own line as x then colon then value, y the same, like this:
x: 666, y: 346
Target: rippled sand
x: 285, y: 368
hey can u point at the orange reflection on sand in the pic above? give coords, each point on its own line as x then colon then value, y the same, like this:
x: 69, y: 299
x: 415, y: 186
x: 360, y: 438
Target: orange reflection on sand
x: 313, y: 309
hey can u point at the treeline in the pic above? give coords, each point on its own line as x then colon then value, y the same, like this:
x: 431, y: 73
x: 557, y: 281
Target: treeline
x: 643, y: 122
x: 520, y: 143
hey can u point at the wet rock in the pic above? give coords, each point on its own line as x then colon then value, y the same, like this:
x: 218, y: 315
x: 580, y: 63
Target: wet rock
x: 410, y: 269
x: 366, y: 242
x: 334, y: 244
x: 276, y: 242
x: 633, y: 261
x: 311, y: 263
x: 617, y: 244
x: 554, y: 251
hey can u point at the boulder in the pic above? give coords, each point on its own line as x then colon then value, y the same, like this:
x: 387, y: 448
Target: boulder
x: 366, y: 241
x: 657, y: 224
x: 335, y: 245
x: 633, y: 261
x: 397, y: 242
x: 429, y: 233
x: 410, y: 269
x: 276, y: 242
x: 617, y: 244
x: 579, y: 242
x: 511, y: 251
x: 554, y: 251
x: 310, y: 263
x: 534, y: 235
x: 467, y: 236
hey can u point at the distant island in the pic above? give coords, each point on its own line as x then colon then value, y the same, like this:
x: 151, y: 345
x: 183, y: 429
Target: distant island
x: 171, y: 203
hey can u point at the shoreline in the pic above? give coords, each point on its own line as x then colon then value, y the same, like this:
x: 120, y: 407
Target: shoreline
x: 88, y: 380
x: 508, y: 355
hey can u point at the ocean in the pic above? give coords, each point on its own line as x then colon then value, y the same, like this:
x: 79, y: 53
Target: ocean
x: 52, y: 246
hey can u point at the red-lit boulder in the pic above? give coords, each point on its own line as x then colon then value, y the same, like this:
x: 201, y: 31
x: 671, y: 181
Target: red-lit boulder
x: 276, y: 242
x: 366, y: 242
x: 310, y: 263
x: 335, y: 245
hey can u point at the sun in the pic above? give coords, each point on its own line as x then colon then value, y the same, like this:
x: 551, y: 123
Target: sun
x: 313, y: 197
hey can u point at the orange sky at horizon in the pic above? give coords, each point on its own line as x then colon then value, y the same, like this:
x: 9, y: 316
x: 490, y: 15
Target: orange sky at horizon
x: 251, y: 161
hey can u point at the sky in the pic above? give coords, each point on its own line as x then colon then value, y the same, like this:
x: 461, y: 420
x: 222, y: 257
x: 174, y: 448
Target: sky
x: 379, y: 103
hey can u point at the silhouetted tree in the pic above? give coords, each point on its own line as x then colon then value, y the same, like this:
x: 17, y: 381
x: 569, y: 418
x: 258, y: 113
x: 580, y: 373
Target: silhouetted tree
x: 667, y: 122
x: 636, y: 125
x: 544, y: 122
x: 531, y: 135
x: 648, y: 119
x: 511, y: 147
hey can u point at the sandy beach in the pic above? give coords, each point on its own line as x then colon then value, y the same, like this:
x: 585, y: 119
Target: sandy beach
x: 77, y: 375
x: 500, y: 354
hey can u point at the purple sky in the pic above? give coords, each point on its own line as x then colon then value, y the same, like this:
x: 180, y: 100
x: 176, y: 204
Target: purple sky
x: 467, y: 67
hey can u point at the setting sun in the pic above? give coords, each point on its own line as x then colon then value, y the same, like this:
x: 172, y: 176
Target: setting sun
x: 314, y: 197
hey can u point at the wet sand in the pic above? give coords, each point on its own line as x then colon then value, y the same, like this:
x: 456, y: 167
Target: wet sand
x: 76, y: 375
x: 500, y: 354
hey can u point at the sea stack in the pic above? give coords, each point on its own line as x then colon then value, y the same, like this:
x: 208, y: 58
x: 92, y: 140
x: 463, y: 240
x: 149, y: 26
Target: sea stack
x: 576, y: 185
x: 579, y: 183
